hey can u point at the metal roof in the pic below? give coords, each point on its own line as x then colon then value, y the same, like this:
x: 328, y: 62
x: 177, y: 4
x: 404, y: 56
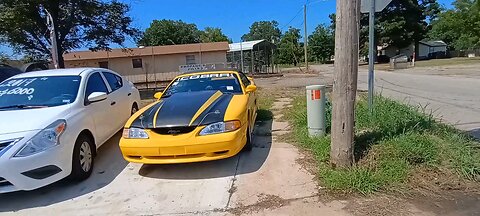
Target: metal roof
x: 438, y: 43
x: 250, y: 45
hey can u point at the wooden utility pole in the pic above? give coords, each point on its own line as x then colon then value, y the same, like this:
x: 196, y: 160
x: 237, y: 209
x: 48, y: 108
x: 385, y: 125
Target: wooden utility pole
x: 345, y: 82
x: 305, y: 40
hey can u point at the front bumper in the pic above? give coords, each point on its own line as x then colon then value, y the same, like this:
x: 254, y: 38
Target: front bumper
x: 185, y: 148
x: 35, y: 171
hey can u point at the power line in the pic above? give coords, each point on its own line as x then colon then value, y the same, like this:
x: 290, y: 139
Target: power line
x: 308, y: 2
x: 296, y: 15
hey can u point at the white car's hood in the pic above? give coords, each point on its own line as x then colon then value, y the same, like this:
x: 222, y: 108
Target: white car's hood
x: 20, y: 120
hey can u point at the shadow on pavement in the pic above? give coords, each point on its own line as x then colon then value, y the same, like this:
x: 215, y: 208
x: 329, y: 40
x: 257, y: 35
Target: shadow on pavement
x: 250, y: 161
x: 475, y: 133
x: 109, y: 163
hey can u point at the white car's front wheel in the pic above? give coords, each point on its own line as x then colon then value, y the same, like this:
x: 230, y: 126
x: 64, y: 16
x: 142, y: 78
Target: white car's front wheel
x: 83, y: 158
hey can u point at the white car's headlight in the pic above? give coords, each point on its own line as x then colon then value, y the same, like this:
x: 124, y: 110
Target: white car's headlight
x: 43, y: 140
x: 220, y: 127
x: 135, y: 133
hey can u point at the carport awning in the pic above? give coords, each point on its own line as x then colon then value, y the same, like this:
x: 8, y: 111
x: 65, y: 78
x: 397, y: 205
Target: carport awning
x: 251, y: 45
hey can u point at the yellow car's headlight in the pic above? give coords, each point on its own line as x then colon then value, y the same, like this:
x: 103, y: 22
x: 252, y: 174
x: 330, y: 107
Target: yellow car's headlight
x: 135, y: 133
x: 220, y: 127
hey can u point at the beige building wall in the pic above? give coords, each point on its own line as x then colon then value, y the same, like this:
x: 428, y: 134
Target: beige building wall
x: 154, y: 68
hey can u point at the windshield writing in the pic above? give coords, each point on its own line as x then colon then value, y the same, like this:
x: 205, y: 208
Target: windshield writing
x: 39, y: 91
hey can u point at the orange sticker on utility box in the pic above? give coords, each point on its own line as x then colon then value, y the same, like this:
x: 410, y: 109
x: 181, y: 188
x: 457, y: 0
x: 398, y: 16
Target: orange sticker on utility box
x: 316, y: 94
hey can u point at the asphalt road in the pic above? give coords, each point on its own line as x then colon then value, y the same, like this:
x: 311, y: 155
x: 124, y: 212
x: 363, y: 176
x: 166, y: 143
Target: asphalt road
x: 453, y: 97
x: 450, y: 93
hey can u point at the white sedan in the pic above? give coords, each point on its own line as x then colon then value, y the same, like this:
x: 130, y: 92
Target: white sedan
x: 52, y: 122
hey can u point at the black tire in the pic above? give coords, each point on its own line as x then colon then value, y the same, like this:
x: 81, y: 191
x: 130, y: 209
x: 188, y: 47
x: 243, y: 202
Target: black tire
x: 134, y: 109
x: 249, y: 144
x: 83, y: 151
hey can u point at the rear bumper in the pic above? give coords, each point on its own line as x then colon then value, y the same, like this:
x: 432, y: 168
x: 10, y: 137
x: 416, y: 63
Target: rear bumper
x: 167, y: 149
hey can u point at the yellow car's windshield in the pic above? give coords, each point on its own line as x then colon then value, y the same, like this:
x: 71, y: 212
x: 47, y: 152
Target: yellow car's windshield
x: 224, y: 82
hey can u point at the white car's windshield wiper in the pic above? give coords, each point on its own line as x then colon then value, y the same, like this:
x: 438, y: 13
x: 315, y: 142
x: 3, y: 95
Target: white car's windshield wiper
x: 23, y: 106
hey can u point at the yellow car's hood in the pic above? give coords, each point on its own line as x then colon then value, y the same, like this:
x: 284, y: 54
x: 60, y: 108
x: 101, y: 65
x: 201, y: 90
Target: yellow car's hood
x: 187, y: 109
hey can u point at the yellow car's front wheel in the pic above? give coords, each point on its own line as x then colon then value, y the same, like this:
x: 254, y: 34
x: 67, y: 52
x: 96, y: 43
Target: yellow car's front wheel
x: 249, y: 144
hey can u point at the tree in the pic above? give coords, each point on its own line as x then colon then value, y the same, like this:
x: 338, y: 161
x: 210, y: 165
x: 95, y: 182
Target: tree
x: 321, y: 43
x: 213, y: 35
x: 289, y: 49
x: 459, y: 27
x: 93, y: 24
x: 170, y: 32
x: 401, y: 23
x: 263, y: 30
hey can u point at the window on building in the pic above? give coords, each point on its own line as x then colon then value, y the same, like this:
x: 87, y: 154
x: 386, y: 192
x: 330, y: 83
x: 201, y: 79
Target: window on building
x: 103, y: 64
x: 137, y: 63
x: 190, y: 59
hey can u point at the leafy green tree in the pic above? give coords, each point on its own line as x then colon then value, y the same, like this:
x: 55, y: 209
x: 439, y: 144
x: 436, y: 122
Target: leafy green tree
x: 210, y: 34
x: 459, y: 27
x: 289, y: 49
x: 321, y: 43
x: 170, y: 32
x: 263, y: 30
x: 94, y: 24
x: 403, y: 22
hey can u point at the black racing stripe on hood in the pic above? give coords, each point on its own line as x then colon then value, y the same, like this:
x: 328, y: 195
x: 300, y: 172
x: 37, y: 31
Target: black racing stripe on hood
x: 179, y: 109
x: 145, y: 120
x: 215, y: 112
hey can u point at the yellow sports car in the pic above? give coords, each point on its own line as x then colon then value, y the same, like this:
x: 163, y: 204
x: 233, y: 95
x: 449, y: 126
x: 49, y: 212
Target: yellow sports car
x: 200, y: 116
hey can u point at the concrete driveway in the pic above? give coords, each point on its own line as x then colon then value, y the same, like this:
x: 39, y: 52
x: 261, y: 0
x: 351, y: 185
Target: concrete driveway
x: 269, y: 180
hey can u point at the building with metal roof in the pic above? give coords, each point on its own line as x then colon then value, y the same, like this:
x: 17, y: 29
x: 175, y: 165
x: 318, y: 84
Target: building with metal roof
x: 252, y: 56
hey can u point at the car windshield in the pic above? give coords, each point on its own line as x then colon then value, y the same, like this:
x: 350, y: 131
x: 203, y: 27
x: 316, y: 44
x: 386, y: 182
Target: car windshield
x: 224, y: 82
x: 37, y: 92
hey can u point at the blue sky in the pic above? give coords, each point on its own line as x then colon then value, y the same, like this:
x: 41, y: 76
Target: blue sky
x: 233, y: 17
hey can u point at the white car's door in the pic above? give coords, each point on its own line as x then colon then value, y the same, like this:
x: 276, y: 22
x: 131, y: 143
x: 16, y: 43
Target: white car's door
x: 119, y: 98
x: 100, y: 111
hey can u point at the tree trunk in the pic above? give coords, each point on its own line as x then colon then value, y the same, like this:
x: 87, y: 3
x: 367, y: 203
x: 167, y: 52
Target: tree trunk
x: 345, y: 82
x: 61, y: 61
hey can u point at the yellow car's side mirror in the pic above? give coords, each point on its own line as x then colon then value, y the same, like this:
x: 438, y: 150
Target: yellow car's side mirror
x: 158, y: 95
x: 251, y: 88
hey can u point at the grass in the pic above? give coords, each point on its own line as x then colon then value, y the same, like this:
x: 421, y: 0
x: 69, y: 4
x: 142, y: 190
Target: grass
x: 445, y: 62
x: 434, y: 62
x: 389, y: 147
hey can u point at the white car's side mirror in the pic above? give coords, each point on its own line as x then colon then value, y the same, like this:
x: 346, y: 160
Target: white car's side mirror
x: 96, y: 97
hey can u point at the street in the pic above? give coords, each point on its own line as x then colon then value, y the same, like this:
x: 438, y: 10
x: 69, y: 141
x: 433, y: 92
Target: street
x: 449, y: 93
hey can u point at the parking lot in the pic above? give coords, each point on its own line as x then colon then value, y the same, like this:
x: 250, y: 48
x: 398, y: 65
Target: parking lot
x: 268, y: 179
x: 273, y: 179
